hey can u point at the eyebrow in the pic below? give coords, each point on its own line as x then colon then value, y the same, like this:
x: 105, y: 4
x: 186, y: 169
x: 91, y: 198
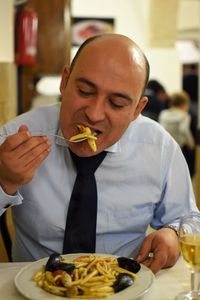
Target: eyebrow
x: 88, y: 82
x: 93, y: 85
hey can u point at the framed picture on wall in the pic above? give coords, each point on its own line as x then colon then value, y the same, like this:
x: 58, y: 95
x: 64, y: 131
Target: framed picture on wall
x: 83, y: 28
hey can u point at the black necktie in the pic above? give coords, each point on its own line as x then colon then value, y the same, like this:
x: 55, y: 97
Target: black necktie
x: 80, y: 229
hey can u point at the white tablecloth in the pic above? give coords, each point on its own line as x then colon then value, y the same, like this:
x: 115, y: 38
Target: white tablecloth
x: 167, y: 284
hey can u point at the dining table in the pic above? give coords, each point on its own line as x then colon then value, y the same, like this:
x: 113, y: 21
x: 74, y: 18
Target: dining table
x: 166, y: 285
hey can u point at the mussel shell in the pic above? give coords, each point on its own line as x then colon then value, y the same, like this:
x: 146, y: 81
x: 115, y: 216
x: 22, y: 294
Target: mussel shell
x: 61, y: 266
x: 55, y: 263
x: 53, y: 258
x: 128, y: 264
x: 122, y: 282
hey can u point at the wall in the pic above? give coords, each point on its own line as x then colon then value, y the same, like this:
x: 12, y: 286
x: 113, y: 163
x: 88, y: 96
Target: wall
x: 129, y: 15
x: 53, y: 47
x: 189, y: 19
x: 6, y: 31
x: 8, y: 105
x: 131, y: 19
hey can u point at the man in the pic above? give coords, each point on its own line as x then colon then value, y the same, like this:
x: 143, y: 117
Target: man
x: 142, y: 180
x: 158, y: 99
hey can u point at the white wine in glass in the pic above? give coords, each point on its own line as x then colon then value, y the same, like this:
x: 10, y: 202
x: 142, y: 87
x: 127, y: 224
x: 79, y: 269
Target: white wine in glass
x: 189, y: 238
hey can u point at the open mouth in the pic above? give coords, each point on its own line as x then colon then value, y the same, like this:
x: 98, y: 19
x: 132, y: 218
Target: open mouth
x: 96, y: 133
x: 89, y: 130
x: 86, y: 133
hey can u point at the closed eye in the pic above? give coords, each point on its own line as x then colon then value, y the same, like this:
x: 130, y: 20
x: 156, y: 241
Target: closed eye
x: 85, y: 93
x: 115, y: 105
x: 120, y: 100
x: 119, y: 103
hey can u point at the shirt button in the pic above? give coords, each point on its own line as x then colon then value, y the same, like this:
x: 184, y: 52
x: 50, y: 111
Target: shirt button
x: 7, y: 206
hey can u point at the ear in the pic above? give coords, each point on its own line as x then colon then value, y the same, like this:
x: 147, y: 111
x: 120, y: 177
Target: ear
x: 140, y: 106
x: 64, y: 78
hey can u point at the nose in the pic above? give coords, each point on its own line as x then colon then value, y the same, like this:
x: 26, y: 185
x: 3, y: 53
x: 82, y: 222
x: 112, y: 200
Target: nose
x: 95, y: 111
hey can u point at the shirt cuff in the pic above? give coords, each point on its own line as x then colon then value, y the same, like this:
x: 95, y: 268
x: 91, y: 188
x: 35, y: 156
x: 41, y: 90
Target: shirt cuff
x: 8, y: 200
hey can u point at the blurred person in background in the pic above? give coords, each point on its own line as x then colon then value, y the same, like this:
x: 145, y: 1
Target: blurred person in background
x: 190, y: 85
x: 158, y: 99
x: 190, y: 82
x: 177, y: 120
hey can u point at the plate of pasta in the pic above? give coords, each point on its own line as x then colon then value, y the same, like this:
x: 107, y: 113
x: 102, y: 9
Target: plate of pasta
x: 85, y: 276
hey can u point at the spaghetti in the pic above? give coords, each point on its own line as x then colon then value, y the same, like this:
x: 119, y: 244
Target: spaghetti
x: 90, y: 277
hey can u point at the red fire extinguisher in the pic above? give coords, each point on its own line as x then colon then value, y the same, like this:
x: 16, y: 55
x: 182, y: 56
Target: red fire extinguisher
x: 26, y: 37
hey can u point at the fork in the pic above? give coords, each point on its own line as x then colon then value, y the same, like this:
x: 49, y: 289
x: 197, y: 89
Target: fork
x: 49, y: 133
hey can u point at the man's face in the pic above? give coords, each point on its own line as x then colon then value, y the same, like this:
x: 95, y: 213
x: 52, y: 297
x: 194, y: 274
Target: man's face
x: 102, y: 92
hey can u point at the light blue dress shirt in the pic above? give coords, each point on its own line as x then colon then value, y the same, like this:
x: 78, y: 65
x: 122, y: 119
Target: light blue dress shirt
x: 143, y: 180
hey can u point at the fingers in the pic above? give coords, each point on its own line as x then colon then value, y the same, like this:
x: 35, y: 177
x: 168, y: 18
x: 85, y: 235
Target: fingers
x: 147, y: 260
x: 31, y: 147
x: 25, y: 152
x: 144, y: 251
x: 13, y: 141
x: 153, y: 260
x: 35, y: 155
x: 164, y: 246
x: 35, y: 163
x: 20, y: 156
x: 163, y: 258
x: 158, y: 261
x: 147, y: 257
x: 23, y: 128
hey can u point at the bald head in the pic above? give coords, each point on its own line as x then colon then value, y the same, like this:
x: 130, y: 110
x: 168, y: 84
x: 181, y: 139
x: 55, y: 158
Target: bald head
x: 103, y: 89
x: 119, y: 46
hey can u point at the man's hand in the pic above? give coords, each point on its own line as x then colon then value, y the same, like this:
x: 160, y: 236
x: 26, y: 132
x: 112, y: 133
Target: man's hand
x: 164, y: 246
x: 20, y: 155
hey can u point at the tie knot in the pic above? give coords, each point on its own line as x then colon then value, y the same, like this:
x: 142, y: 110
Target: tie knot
x: 87, y: 165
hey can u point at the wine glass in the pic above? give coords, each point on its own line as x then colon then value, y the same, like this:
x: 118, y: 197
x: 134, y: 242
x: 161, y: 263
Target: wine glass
x: 189, y: 238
